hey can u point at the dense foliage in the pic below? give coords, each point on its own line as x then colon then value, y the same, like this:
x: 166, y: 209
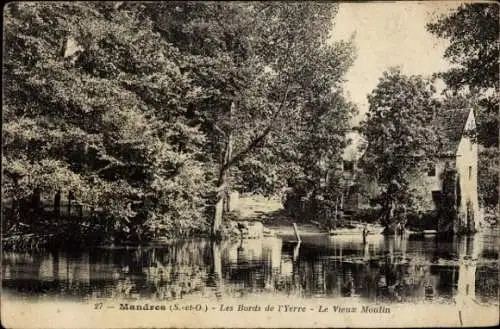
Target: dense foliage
x: 400, y: 140
x: 145, y: 110
x: 473, y: 32
x: 107, y: 122
x: 271, y: 70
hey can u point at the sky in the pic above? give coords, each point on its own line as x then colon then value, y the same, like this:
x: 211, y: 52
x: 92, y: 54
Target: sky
x: 389, y: 34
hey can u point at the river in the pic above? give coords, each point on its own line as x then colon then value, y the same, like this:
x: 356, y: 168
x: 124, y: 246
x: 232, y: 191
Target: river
x: 385, y: 268
x: 389, y: 270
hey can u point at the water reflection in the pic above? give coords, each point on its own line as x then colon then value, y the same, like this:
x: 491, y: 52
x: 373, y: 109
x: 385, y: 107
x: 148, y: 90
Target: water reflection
x: 383, y: 269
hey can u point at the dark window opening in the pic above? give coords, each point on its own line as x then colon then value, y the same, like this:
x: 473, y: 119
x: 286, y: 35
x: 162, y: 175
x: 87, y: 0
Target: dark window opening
x: 349, y: 166
x: 431, y: 170
x: 470, y: 172
x: 436, y: 197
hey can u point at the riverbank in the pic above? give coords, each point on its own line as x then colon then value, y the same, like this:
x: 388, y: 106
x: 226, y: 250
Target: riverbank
x: 255, y: 216
x: 270, y: 212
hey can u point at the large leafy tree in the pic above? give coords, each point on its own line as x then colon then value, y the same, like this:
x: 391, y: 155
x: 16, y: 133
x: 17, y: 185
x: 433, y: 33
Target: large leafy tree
x: 400, y: 139
x: 144, y: 108
x: 472, y: 30
x: 95, y: 102
x: 264, y: 68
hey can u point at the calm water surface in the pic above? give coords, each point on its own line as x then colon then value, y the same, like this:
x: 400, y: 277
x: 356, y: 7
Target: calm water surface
x: 385, y: 269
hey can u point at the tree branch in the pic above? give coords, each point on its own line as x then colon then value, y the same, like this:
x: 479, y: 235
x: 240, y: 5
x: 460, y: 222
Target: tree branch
x: 256, y: 141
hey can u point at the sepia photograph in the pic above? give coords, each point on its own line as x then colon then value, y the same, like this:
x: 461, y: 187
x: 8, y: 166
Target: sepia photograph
x: 268, y: 164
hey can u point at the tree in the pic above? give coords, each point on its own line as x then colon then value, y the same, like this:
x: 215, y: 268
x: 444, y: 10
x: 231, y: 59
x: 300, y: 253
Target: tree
x: 473, y: 30
x: 262, y: 66
x: 144, y: 110
x: 95, y: 102
x: 399, y: 139
x: 488, y: 177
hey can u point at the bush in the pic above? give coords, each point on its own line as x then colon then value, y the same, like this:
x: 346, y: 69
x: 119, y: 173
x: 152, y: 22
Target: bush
x: 422, y: 221
x: 369, y: 215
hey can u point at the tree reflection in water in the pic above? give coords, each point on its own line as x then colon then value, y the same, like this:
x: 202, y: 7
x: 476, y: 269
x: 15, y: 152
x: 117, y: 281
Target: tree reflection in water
x: 383, y: 269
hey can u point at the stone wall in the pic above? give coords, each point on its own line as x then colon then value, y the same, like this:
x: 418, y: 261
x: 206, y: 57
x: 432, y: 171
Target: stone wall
x: 467, y: 163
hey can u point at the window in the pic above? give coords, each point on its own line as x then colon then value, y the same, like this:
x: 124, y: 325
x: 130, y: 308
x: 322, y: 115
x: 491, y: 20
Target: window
x: 470, y: 172
x: 436, y: 197
x: 348, y: 166
x: 431, y: 170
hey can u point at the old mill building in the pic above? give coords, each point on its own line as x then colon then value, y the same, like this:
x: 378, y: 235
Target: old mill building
x: 452, y: 180
x: 449, y: 186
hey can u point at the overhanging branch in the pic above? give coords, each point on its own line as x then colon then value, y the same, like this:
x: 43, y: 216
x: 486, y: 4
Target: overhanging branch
x: 256, y: 141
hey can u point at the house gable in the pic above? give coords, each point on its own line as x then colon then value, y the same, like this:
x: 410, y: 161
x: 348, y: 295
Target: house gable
x: 467, y: 169
x: 456, y: 151
x: 450, y: 126
x: 466, y: 144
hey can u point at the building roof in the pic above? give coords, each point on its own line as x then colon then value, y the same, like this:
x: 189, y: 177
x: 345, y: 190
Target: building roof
x: 450, y: 126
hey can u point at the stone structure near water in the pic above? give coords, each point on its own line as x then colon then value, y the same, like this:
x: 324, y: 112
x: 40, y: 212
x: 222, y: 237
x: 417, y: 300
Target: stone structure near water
x: 450, y: 184
x: 449, y: 187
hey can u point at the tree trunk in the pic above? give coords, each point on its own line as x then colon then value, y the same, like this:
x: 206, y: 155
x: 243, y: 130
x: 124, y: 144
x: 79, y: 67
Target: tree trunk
x: 223, y: 191
x: 227, y: 158
x: 69, y: 208
x: 218, y: 214
x: 16, y: 206
x: 389, y: 218
x: 341, y: 215
x: 404, y: 221
x: 57, y: 203
x: 36, y: 200
x: 329, y: 217
x: 336, y: 214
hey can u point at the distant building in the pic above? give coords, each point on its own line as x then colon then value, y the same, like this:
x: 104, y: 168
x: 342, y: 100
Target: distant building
x: 354, y: 181
x: 452, y: 175
x: 454, y: 171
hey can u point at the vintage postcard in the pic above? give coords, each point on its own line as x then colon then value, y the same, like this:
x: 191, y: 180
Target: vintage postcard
x: 242, y: 164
